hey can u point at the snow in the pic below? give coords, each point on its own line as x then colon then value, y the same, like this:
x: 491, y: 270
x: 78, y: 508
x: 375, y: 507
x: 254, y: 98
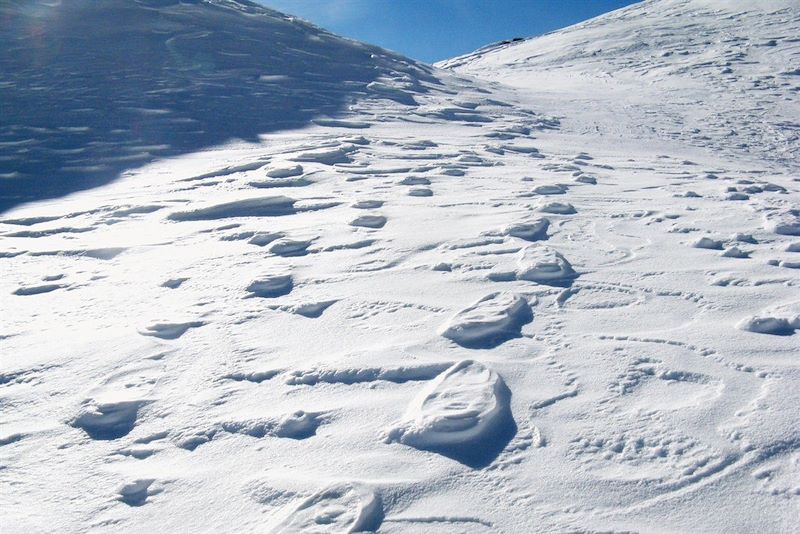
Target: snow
x: 279, y: 280
x: 535, y: 230
x: 709, y: 243
x: 542, y: 264
x: 785, y: 222
x: 339, y: 508
x: 558, y: 208
x: 489, y: 321
x: 285, y: 171
x: 767, y: 325
x: 270, y: 286
x: 459, y: 412
x: 780, y: 320
x: 369, y: 221
x: 250, y: 207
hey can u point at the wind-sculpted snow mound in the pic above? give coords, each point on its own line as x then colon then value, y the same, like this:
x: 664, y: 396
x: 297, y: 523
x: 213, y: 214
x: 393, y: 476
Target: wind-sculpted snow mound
x: 490, y: 321
x: 778, y: 321
x: 784, y: 222
x: 534, y: 230
x: 461, y: 413
x: 271, y: 285
x: 542, y: 264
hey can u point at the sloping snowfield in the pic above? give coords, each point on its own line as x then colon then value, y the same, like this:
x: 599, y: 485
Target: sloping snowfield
x: 551, y: 286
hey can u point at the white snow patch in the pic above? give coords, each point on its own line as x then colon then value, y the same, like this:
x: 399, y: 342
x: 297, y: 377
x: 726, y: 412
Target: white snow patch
x: 461, y: 406
x: 490, y: 321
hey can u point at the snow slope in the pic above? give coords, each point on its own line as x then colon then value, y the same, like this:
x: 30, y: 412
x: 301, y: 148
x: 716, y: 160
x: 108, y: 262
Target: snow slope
x: 447, y: 304
x: 727, y: 71
x: 89, y: 89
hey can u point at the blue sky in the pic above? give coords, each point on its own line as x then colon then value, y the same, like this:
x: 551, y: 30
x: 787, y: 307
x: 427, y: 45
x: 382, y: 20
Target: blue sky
x: 431, y: 30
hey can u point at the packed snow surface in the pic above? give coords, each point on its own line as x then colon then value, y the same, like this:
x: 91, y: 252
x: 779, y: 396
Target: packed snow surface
x: 303, y: 284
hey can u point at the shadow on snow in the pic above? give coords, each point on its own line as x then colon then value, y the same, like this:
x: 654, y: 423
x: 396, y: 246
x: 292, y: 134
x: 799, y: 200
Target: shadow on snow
x: 90, y: 89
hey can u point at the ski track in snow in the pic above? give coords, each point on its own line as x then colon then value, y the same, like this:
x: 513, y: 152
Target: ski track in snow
x: 445, y: 310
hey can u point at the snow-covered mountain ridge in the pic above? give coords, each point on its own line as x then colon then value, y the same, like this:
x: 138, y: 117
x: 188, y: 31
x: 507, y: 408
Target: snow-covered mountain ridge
x: 350, y: 292
x: 726, y: 72
x: 90, y: 89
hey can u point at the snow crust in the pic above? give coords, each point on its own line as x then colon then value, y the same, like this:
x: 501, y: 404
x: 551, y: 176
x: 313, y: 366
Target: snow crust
x: 461, y: 406
x: 257, y: 277
x: 489, y: 321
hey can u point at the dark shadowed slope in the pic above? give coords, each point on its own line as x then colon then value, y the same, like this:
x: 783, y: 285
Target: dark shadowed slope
x: 89, y: 89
